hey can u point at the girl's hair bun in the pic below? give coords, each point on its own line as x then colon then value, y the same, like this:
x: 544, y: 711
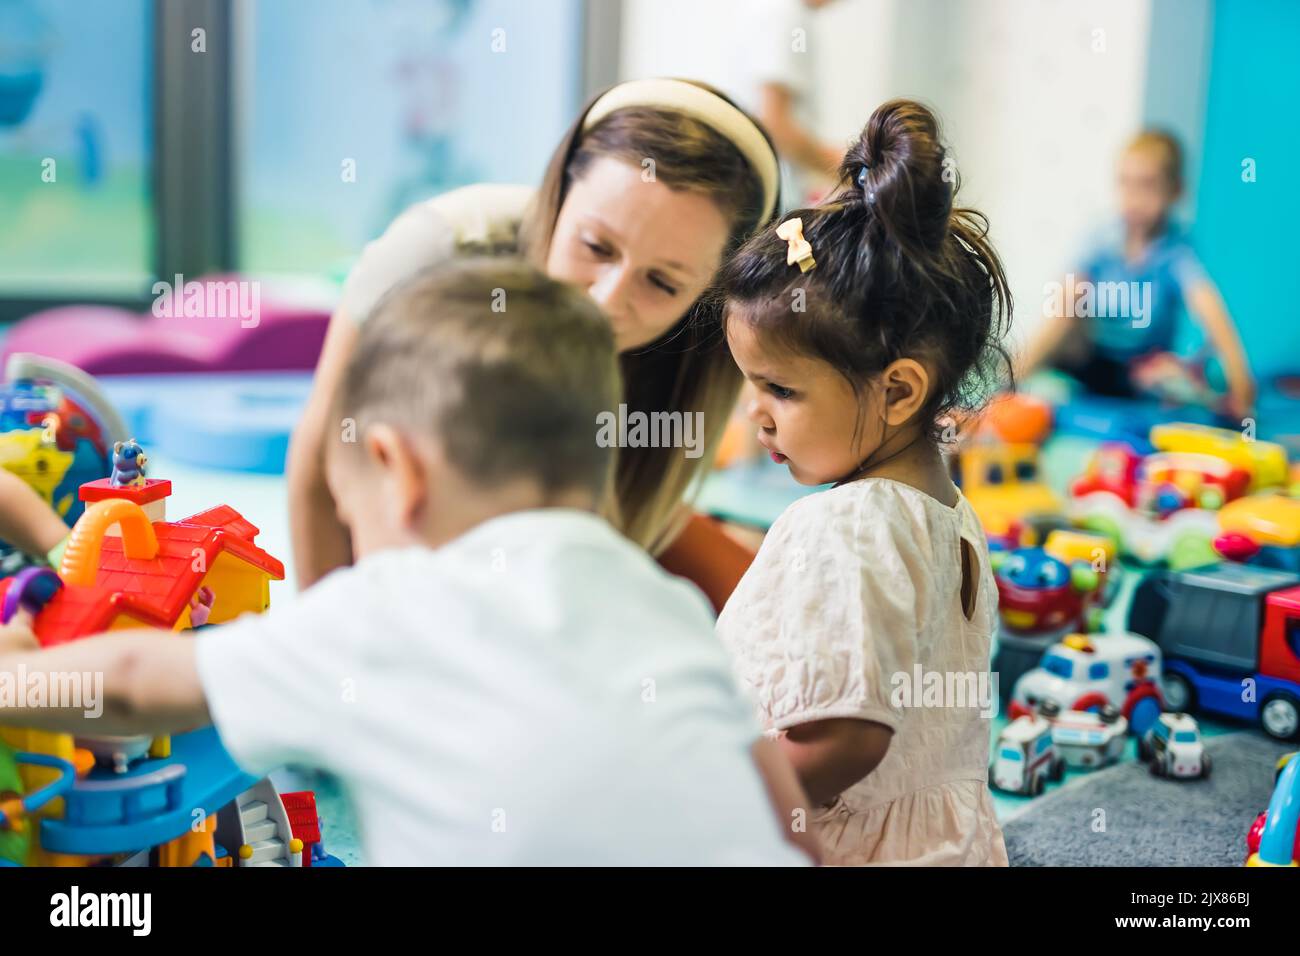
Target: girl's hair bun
x: 897, y: 167
x: 901, y: 271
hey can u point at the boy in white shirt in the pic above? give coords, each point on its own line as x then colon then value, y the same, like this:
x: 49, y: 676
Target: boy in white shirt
x: 500, y: 678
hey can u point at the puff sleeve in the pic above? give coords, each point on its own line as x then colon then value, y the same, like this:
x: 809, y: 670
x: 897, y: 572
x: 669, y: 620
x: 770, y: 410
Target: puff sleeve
x: 826, y: 619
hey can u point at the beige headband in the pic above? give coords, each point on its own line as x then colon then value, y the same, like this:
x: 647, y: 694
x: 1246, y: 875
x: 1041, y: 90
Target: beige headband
x: 708, y: 108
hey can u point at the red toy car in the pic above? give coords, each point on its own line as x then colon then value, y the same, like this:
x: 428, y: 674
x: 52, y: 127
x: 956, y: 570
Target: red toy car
x: 1113, y: 468
x: 1041, y: 594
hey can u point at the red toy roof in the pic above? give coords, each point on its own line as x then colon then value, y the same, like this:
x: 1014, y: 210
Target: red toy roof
x: 157, y: 590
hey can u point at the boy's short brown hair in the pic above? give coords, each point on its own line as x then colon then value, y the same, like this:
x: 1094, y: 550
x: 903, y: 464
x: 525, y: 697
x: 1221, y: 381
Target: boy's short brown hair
x: 504, y: 367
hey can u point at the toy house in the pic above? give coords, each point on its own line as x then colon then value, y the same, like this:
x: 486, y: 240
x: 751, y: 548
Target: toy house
x: 129, y: 801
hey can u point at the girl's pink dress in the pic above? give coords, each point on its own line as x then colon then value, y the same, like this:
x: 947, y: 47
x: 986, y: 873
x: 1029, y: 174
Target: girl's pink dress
x: 852, y: 608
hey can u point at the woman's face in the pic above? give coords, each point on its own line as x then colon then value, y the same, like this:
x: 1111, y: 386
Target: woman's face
x: 643, y: 251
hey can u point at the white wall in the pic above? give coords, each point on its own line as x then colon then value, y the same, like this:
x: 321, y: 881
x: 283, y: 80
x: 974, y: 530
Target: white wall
x: 1036, y: 104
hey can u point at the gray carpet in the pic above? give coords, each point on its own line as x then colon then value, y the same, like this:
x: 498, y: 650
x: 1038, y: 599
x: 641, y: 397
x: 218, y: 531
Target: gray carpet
x: 1148, y: 820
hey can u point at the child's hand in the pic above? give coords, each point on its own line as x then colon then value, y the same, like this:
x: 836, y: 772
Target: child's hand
x: 1239, y: 403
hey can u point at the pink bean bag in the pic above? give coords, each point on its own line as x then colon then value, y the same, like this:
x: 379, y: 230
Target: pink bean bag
x: 107, y: 341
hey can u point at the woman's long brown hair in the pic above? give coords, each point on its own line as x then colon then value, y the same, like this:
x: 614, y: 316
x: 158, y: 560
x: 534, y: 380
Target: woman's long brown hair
x: 688, y: 368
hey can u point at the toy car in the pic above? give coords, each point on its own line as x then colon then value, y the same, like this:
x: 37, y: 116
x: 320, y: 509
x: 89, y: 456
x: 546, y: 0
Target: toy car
x: 1264, y: 461
x: 1168, y: 481
x: 1002, y: 484
x: 1173, y: 746
x: 1096, y: 551
x: 1091, y: 739
x: 1084, y: 672
x: 1263, y: 530
x: 1025, y: 757
x: 1038, y: 593
x: 1274, y: 838
x: 1147, y: 538
x: 1224, y: 628
x: 1113, y: 468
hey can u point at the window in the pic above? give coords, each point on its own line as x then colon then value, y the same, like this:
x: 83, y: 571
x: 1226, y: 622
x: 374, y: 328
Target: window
x: 76, y: 130
x: 1185, y: 737
x: 1060, y: 666
x: 1006, y: 753
x: 352, y: 110
x: 1099, y: 671
x: 301, y: 131
x: 1026, y: 471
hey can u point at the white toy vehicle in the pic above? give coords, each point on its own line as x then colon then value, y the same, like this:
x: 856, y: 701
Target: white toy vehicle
x: 1087, y: 739
x: 1025, y: 758
x: 1087, y: 671
x: 1147, y: 538
x: 1174, y: 747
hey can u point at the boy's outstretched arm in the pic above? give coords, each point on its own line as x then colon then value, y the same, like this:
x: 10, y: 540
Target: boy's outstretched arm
x: 150, y: 684
x: 26, y: 521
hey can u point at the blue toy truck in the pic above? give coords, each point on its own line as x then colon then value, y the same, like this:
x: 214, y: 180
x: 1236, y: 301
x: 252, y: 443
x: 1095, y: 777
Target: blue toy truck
x: 1230, y: 635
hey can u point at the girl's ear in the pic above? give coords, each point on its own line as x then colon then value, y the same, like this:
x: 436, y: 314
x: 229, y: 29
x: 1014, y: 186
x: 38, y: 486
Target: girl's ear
x: 906, y: 384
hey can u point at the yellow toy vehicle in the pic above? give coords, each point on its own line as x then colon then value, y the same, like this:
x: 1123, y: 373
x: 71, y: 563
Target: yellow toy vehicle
x: 1002, y: 484
x: 1265, y: 461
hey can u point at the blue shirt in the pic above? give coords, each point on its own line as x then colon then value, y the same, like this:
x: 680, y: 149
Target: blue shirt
x: 1160, y: 280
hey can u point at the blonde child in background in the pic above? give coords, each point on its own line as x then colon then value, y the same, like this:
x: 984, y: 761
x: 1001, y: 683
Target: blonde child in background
x: 861, y: 322
x: 501, y: 678
x: 1126, y: 355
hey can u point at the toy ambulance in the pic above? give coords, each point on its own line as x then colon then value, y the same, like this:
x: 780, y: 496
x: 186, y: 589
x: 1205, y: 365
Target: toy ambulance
x: 1174, y: 747
x: 1084, y: 671
x: 1025, y: 757
x: 1090, y: 739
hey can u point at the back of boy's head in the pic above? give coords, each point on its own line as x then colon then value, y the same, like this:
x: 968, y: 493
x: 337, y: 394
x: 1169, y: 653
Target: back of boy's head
x: 899, y: 271
x: 507, y: 370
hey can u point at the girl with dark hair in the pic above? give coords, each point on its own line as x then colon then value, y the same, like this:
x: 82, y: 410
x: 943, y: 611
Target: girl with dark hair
x: 861, y: 322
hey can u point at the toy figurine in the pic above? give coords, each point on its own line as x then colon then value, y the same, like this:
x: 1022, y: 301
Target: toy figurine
x: 129, y: 461
x: 201, y: 607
